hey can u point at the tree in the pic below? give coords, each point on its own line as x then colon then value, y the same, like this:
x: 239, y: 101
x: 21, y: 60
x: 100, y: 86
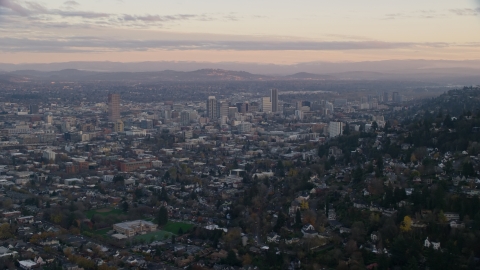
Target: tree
x: 346, y: 130
x: 412, y: 264
x: 304, y: 205
x: 232, y: 259
x: 374, y: 126
x: 163, y: 195
x: 125, y: 206
x: 468, y: 169
x: 162, y: 217
x: 406, y: 225
x: 298, y: 217
x: 5, y: 231
x: 280, y: 222
x: 118, y: 179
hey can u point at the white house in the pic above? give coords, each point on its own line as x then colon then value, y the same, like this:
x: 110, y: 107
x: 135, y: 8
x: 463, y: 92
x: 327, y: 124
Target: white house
x: 374, y: 236
x: 435, y: 245
x: 457, y: 224
x: 27, y: 264
x: 309, y: 231
x: 273, y: 238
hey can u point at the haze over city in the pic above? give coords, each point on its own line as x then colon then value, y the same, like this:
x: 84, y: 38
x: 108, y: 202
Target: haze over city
x: 239, y: 135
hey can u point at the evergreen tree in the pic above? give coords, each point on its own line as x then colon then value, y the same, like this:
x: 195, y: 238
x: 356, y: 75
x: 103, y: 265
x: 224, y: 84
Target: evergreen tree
x: 162, y: 217
x: 125, y: 206
x: 280, y: 222
x: 298, y: 217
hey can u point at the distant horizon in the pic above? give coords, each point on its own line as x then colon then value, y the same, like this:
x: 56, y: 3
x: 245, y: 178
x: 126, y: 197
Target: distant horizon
x: 241, y: 62
x: 280, y: 32
x: 406, y: 66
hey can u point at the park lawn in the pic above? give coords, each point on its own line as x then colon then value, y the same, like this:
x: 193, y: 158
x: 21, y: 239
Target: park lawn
x: 156, y: 236
x: 102, y: 231
x: 103, y: 212
x: 173, y: 227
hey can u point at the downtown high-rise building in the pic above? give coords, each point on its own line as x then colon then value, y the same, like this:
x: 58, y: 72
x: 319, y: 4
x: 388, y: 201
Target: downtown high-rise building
x: 223, y: 108
x: 212, y: 108
x: 395, y: 97
x: 335, y: 129
x: 113, y: 107
x: 185, y: 118
x: 274, y: 99
x: 266, y: 104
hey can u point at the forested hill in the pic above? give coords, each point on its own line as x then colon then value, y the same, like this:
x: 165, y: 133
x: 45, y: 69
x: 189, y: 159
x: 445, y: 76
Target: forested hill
x: 453, y: 102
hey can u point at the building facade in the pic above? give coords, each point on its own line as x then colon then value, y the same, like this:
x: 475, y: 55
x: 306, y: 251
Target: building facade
x: 274, y: 99
x: 335, y: 129
x: 266, y: 105
x: 212, y: 107
x: 113, y: 107
x: 132, y: 228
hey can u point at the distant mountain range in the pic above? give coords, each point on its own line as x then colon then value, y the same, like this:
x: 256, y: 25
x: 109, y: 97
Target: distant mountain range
x: 438, y: 71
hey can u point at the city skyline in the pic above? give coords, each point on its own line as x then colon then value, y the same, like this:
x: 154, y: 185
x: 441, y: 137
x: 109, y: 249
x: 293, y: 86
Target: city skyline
x: 281, y: 32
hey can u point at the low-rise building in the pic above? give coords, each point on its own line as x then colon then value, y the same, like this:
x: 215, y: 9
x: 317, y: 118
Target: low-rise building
x: 132, y: 228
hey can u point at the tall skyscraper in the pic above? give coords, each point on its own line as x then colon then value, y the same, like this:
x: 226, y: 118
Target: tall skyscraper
x: 185, y: 118
x: 223, y: 108
x: 242, y: 107
x: 212, y: 107
x: 231, y: 112
x: 48, y: 118
x: 266, y: 104
x: 335, y: 129
x: 113, y: 107
x: 34, y: 109
x: 395, y: 97
x: 385, y: 97
x: 274, y: 99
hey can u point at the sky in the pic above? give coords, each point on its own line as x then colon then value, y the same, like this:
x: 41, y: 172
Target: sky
x: 261, y: 31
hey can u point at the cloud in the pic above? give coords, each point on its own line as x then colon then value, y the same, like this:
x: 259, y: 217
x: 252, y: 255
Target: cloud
x: 42, y: 15
x: 158, y: 18
x: 466, y: 11
x: 95, y: 44
x: 14, y: 7
x: 71, y: 3
x: 420, y: 14
x: 81, y: 14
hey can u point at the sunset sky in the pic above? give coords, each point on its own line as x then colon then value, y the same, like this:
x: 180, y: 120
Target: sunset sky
x: 264, y: 31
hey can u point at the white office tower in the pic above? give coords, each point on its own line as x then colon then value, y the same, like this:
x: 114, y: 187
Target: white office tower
x: 335, y: 129
x: 212, y: 109
x: 274, y: 99
x: 223, y: 108
x: 167, y: 114
x: 185, y: 118
x: 193, y: 115
x: 329, y: 106
x: 266, y: 104
x: 49, y: 155
x: 48, y: 118
x: 299, y: 114
x: 364, y: 106
x: 244, y: 127
x: 223, y: 120
x: 232, y: 111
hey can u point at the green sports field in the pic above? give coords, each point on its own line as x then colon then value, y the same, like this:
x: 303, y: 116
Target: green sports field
x: 103, y: 212
x: 173, y: 227
x: 155, y: 236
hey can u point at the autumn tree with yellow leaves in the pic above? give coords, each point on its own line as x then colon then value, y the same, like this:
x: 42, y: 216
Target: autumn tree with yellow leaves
x: 406, y: 224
